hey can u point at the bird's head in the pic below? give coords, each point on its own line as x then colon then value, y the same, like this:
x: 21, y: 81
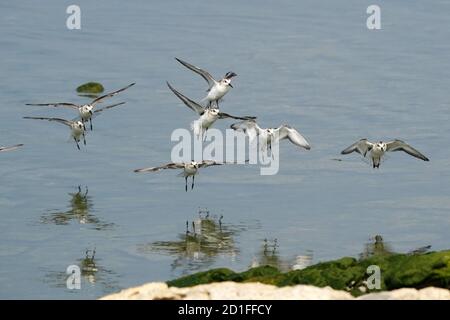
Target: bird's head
x: 194, y: 164
x: 214, y: 111
x: 381, y: 146
x: 79, y: 125
x: 87, y: 108
x: 227, y: 78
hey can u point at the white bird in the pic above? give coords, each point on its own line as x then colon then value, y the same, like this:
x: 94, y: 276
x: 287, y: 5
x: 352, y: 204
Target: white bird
x: 378, y: 149
x: 86, y: 110
x: 190, y: 169
x: 77, y: 128
x: 217, y: 89
x: 207, y: 115
x: 10, y: 148
x: 268, y: 136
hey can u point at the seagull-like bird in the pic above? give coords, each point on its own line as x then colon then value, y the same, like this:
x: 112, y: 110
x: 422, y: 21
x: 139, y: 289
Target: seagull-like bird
x: 217, y: 89
x: 190, y: 169
x: 77, y: 128
x: 10, y: 148
x: 375, y: 151
x: 268, y: 136
x: 207, y: 115
x: 85, y: 111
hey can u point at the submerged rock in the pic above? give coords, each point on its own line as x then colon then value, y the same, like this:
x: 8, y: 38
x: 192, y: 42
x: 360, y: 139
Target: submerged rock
x: 90, y: 87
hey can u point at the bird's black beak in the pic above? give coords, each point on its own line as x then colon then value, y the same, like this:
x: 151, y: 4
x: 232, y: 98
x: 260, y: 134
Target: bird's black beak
x: 230, y: 85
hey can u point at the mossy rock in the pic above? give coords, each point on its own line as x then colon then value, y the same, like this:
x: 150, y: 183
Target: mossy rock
x: 90, y: 87
x: 214, y: 275
x: 397, y: 271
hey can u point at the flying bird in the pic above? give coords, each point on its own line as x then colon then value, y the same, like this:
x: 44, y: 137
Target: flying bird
x: 77, y: 128
x: 267, y: 136
x: 207, y: 115
x: 217, y: 89
x: 190, y: 169
x: 376, y: 151
x: 10, y: 148
x: 85, y: 111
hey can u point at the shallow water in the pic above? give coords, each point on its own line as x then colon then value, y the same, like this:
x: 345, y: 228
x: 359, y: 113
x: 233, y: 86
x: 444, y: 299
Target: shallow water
x: 311, y: 64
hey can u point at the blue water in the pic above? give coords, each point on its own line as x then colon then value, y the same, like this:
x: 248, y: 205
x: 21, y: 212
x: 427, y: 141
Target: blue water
x: 312, y: 64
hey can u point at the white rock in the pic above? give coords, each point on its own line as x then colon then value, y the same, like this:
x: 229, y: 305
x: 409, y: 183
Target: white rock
x: 258, y: 291
x: 430, y: 293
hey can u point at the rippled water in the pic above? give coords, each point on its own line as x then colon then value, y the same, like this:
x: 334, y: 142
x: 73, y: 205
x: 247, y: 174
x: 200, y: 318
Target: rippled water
x: 312, y: 64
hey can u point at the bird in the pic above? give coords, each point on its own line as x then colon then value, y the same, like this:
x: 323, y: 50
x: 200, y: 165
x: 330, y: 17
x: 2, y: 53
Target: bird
x: 190, y: 169
x: 77, y: 128
x: 376, y: 150
x: 207, y: 115
x: 268, y: 136
x: 86, y: 110
x: 10, y: 148
x: 217, y: 89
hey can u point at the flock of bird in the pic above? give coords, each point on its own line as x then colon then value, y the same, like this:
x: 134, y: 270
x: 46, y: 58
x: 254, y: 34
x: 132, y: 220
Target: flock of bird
x: 209, y: 112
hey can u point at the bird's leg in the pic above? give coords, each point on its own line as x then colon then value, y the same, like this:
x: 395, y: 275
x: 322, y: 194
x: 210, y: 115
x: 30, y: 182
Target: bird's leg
x: 90, y: 122
x: 185, y: 179
x: 76, y: 141
x: 84, y: 139
x: 270, y: 150
x: 192, y: 186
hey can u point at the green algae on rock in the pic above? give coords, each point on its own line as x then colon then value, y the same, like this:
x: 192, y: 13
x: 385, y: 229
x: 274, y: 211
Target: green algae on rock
x: 349, y: 274
x: 90, y: 87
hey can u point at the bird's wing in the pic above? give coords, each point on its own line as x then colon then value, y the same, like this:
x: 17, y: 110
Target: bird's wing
x: 58, y: 104
x: 398, y: 145
x: 108, y: 107
x: 188, y: 102
x: 10, y: 148
x: 63, y: 121
x: 362, y: 147
x: 249, y: 127
x: 287, y: 132
x: 208, y: 163
x: 204, y: 74
x: 111, y: 94
x: 172, y: 165
x: 223, y: 115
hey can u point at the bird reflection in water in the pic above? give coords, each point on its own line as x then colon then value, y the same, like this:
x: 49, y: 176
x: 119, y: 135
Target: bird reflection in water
x: 93, y: 275
x: 376, y: 247
x: 205, y: 239
x: 80, y: 208
x: 269, y: 255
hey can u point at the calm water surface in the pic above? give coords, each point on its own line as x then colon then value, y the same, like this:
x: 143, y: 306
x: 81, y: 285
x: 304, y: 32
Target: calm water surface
x: 312, y: 64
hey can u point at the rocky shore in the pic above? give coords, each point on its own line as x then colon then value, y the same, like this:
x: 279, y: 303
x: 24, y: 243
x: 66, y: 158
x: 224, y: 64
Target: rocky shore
x: 402, y: 276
